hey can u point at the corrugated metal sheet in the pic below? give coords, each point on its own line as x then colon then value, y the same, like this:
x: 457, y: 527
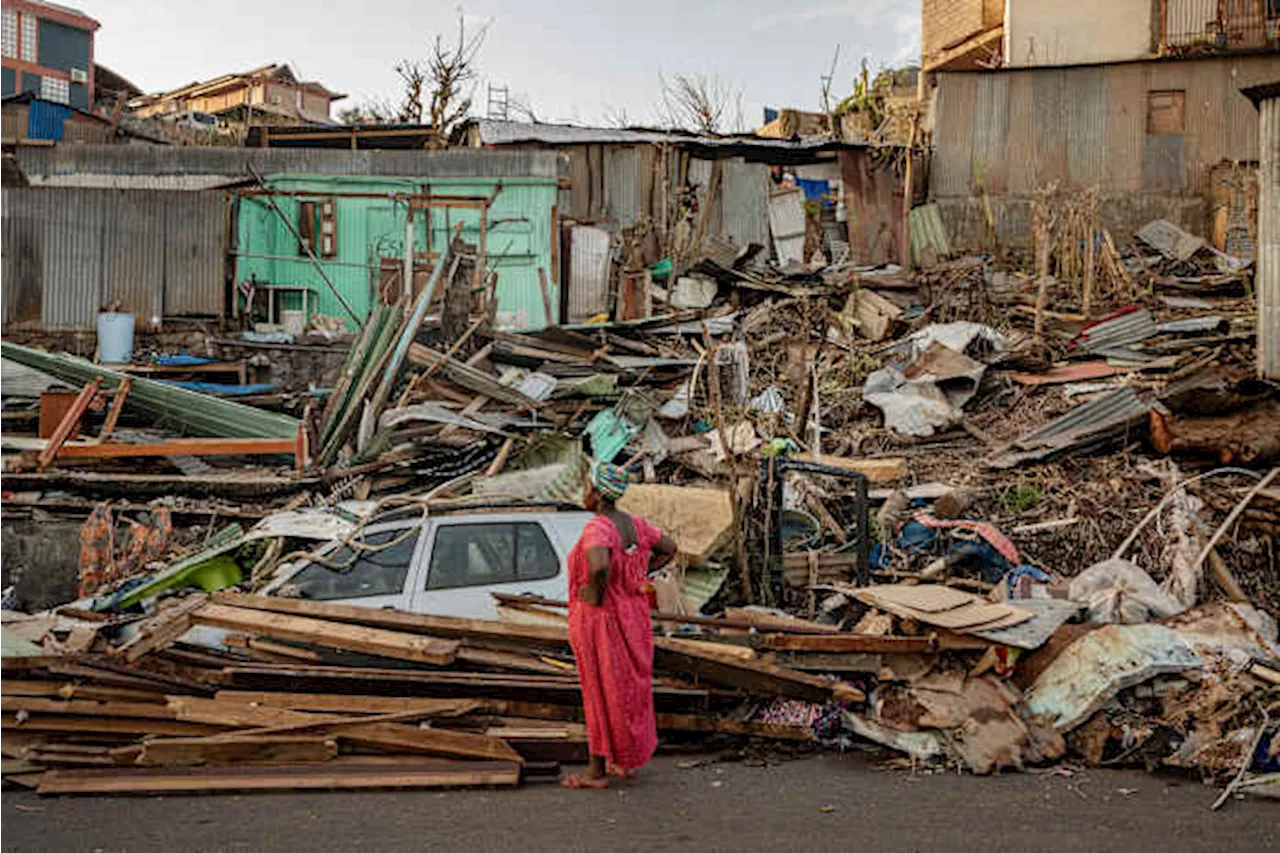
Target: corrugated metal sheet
x: 745, y: 203
x: 1268, y: 275
x: 130, y: 164
x: 45, y: 120
x: 787, y: 223
x: 588, y: 272
x: 1018, y: 129
x: 67, y: 252
x: 622, y: 185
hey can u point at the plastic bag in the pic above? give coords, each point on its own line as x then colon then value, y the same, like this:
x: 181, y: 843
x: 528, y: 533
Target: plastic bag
x: 1118, y: 591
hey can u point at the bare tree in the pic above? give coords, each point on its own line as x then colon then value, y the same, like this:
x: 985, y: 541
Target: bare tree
x: 451, y: 74
x: 699, y: 102
x: 616, y: 116
x: 520, y: 108
x: 436, y: 91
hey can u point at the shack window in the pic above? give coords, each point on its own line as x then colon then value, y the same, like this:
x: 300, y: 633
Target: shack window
x: 1166, y: 112
x: 318, y: 228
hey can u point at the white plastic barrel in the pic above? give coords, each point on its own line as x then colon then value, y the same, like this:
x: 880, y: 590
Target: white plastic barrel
x: 115, y: 337
x: 294, y: 322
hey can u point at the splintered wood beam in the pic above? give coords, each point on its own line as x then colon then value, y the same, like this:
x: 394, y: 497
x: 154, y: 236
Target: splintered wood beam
x: 117, y: 406
x: 441, y: 626
x: 183, y: 752
x: 68, y: 423
x: 182, y: 447
x: 336, y: 774
x: 355, y: 638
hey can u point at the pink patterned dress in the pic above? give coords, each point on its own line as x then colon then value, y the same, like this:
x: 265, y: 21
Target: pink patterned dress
x: 613, y: 645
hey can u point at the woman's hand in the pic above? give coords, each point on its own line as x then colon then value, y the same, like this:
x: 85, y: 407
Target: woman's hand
x: 589, y: 594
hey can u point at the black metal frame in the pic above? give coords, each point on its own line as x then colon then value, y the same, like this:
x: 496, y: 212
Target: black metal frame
x: 773, y: 473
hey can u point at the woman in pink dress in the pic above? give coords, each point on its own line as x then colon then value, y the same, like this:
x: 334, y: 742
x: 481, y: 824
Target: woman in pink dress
x: 611, y: 632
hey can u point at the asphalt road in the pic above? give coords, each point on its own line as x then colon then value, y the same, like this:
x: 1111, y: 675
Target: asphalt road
x: 819, y: 803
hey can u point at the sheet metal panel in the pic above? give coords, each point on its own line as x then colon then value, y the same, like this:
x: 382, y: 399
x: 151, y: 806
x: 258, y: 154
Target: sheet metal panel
x: 991, y: 132
x: 787, y: 224
x: 952, y: 137
x: 588, y: 272
x: 622, y: 185
x: 1086, y: 127
x: 194, y: 255
x: 67, y: 252
x: 133, y: 163
x: 745, y: 203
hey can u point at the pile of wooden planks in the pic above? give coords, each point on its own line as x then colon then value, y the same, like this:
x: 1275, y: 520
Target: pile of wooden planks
x: 303, y: 694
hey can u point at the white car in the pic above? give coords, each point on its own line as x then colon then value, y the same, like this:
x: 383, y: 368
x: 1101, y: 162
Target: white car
x: 446, y: 564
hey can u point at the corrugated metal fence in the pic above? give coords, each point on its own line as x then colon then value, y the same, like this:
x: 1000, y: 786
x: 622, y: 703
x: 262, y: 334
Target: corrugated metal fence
x: 1268, y: 280
x: 67, y: 252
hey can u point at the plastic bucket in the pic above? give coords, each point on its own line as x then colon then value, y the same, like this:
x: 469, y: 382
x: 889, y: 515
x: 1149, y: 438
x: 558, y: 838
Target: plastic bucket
x: 115, y: 338
x: 294, y: 322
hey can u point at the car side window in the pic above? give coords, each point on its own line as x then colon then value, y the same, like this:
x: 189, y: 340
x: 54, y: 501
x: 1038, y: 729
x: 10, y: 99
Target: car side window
x: 481, y: 554
x: 356, y: 573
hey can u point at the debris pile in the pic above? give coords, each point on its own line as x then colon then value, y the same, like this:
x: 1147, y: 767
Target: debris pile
x: 985, y: 513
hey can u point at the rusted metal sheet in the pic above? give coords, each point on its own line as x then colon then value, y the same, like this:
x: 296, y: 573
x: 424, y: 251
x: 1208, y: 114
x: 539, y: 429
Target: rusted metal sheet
x: 622, y: 185
x: 68, y: 252
x: 588, y: 272
x: 745, y: 203
x: 873, y: 208
x: 1015, y: 130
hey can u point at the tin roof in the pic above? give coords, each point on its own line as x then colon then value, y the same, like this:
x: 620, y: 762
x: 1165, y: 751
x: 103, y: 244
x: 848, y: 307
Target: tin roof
x: 502, y: 132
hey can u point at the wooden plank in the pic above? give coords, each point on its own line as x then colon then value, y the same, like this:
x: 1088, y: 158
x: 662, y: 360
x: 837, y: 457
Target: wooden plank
x: 357, y: 638
x: 887, y: 470
x: 86, y: 708
x: 160, y: 630
x: 226, y: 714
x: 68, y: 423
x: 106, y: 725
x: 185, y: 752
x: 355, y: 704
x: 393, y: 737
x: 183, y: 447
x: 119, y: 396
x: 505, y: 660
x: 753, y: 676
x: 284, y: 777
x: 68, y: 690
x: 451, y: 627
x: 844, y: 643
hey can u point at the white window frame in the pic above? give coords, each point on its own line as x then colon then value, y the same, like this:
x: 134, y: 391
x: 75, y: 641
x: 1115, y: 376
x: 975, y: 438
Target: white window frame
x: 55, y: 89
x: 10, y: 38
x: 29, y: 41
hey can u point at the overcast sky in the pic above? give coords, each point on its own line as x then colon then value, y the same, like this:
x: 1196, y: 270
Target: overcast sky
x: 572, y: 60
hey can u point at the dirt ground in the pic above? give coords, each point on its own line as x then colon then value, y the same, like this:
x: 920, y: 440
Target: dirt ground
x: 825, y: 802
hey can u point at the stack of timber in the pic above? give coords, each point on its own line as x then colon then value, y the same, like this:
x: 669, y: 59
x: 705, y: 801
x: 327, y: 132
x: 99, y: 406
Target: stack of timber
x: 303, y: 694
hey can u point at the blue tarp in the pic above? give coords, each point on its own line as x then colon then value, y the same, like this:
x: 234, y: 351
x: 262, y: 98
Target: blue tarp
x: 224, y: 390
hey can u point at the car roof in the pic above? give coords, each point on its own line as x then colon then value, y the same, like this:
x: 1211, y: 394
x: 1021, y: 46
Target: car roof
x: 477, y: 505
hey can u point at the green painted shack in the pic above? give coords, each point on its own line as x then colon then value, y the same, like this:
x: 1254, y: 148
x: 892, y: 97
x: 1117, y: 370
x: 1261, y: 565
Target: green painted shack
x: 356, y: 228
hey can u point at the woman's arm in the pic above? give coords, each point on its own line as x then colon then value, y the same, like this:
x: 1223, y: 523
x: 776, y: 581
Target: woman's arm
x: 598, y: 561
x: 662, y: 553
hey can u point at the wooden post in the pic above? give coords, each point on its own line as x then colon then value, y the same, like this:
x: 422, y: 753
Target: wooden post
x: 908, y: 194
x: 546, y: 297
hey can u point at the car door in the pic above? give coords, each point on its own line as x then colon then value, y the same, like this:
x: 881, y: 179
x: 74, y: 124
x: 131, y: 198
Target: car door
x: 469, y: 558
x: 376, y: 570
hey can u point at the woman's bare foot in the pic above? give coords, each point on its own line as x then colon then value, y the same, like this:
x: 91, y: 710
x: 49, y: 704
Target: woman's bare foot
x: 583, y: 782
